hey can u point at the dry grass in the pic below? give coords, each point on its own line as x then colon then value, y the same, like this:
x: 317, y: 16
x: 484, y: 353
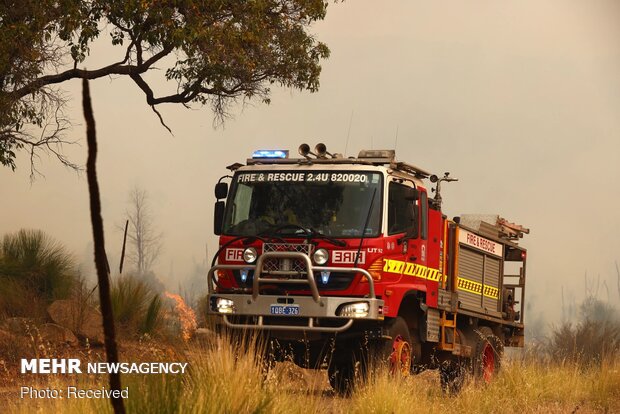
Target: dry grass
x: 222, y: 381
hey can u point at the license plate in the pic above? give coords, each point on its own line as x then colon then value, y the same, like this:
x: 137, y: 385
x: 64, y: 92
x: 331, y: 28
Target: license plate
x: 285, y: 309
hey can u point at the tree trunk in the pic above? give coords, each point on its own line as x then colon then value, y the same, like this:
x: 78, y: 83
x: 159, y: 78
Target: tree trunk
x: 99, y: 242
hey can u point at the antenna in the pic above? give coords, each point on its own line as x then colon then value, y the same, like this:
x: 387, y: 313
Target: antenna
x: 396, y: 139
x: 346, y: 145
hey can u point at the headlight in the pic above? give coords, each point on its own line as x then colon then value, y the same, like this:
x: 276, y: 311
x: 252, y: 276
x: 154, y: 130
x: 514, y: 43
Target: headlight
x: 355, y: 310
x: 249, y: 255
x: 321, y: 256
x: 224, y: 305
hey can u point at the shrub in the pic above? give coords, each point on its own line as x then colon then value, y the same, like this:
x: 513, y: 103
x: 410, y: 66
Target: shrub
x: 137, y: 308
x: 35, y: 270
x: 590, y: 340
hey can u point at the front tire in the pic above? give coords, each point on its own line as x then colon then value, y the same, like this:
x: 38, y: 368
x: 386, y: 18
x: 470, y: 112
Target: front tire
x: 342, y: 377
x: 397, y: 353
x: 352, y: 364
x: 347, y: 367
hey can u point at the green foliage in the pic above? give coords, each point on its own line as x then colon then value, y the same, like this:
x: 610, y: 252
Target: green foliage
x: 220, y: 51
x: 34, y: 271
x: 152, y: 318
x: 137, y: 308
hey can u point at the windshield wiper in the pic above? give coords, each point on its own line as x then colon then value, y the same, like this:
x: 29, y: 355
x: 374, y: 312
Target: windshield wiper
x: 318, y: 235
x: 277, y: 229
x: 308, y: 232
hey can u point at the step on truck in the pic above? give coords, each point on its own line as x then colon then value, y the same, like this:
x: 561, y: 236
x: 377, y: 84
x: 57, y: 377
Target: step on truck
x: 342, y: 263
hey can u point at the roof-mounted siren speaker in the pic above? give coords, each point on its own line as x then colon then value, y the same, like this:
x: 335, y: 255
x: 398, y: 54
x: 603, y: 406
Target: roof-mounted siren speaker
x: 304, y: 151
x: 321, y: 151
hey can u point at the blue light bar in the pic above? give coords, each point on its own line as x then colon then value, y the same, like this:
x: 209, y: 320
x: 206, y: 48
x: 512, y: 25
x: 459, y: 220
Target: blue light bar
x: 270, y: 154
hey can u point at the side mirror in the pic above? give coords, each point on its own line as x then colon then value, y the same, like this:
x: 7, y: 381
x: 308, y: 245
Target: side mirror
x: 221, y: 190
x: 412, y: 194
x: 218, y: 217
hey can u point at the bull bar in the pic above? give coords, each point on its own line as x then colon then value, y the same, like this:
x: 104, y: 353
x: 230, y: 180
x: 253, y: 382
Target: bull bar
x: 310, y: 307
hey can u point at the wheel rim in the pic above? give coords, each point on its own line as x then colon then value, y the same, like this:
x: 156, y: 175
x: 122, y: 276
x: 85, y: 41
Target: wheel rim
x: 488, y: 362
x: 400, y: 359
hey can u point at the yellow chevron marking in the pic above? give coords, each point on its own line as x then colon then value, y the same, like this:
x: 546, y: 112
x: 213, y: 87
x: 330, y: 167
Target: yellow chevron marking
x: 412, y: 269
x: 393, y: 266
x: 477, y: 289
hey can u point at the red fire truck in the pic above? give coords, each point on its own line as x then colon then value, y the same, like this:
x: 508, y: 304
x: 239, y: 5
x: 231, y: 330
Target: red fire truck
x: 345, y: 262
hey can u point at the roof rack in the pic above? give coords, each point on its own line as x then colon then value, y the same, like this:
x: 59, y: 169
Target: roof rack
x: 411, y: 169
x: 365, y: 157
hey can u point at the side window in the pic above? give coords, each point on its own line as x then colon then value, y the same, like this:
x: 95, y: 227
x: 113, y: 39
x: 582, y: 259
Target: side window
x: 424, y: 217
x: 241, y: 204
x: 400, y: 210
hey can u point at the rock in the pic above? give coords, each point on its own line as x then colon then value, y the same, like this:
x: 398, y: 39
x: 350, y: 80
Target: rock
x: 92, y: 327
x: 56, y: 333
x: 19, y: 326
x: 82, y: 319
x: 65, y: 313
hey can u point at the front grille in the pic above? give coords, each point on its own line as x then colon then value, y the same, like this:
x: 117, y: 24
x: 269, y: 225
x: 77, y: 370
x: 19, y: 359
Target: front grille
x: 288, y: 265
x: 273, y: 267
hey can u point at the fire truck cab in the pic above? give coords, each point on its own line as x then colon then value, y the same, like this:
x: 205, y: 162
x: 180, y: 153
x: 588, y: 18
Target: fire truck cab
x: 342, y: 263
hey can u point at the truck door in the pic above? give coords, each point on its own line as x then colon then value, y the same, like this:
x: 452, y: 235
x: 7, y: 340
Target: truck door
x: 403, y: 222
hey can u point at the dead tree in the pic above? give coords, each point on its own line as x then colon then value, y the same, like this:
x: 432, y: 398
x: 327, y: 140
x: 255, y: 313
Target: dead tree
x: 144, y: 240
x: 101, y: 262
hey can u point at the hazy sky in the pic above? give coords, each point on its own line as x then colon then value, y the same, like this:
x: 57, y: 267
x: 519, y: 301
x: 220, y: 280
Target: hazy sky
x: 519, y: 100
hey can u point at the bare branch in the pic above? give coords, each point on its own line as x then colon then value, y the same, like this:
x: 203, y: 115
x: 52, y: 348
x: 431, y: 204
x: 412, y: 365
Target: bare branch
x: 50, y: 137
x: 161, y: 119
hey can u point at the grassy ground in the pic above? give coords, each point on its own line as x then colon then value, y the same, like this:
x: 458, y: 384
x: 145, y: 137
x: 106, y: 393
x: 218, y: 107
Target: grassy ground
x: 219, y: 382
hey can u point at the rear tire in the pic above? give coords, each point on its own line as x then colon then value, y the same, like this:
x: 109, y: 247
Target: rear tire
x: 487, y: 357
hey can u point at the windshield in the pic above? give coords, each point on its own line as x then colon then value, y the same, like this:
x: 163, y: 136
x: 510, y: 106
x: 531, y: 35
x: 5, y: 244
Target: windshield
x: 334, y: 204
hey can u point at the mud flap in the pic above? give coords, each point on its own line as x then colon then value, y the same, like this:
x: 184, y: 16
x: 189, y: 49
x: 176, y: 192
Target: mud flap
x: 429, y: 329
